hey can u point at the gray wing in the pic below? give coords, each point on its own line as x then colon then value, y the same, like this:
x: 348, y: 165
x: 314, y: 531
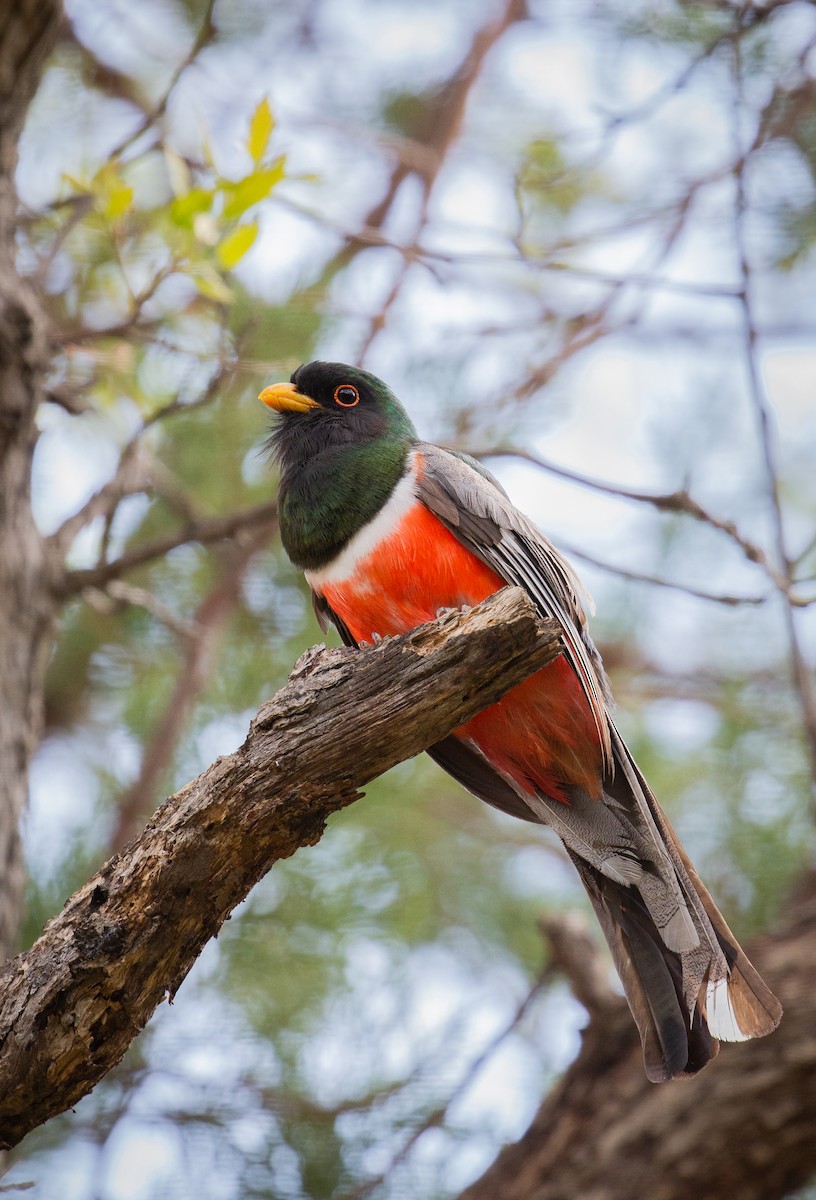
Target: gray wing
x: 480, y: 515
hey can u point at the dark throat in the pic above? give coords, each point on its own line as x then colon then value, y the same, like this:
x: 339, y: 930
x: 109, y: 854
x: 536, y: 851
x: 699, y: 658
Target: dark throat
x: 331, y: 486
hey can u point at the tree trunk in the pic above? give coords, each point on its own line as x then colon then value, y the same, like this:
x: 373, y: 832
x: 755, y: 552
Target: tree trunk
x: 28, y: 31
x: 743, y: 1128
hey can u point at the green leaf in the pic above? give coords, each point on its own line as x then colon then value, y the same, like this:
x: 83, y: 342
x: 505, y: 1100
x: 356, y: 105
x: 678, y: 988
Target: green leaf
x: 235, y: 245
x: 260, y: 130
x: 256, y: 187
x: 185, y: 208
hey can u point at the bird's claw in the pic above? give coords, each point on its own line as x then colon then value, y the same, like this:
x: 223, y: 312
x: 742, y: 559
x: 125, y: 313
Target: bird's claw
x: 446, y: 612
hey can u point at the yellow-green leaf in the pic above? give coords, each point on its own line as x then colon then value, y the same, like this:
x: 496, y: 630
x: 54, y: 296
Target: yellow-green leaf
x: 185, y: 208
x: 256, y: 187
x: 260, y: 130
x: 235, y: 245
x: 118, y: 200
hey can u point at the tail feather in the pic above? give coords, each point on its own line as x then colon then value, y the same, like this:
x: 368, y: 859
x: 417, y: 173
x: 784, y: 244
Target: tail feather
x: 749, y: 1007
x: 746, y: 1007
x: 675, y: 1042
x: 688, y: 982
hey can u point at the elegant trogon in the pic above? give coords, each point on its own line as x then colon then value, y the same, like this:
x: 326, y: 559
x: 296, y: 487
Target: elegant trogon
x: 389, y: 530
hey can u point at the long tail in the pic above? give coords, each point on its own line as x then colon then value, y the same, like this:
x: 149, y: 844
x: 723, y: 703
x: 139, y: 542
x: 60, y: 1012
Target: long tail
x: 688, y: 982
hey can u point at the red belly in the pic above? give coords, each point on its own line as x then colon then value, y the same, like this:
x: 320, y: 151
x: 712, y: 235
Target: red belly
x: 542, y: 733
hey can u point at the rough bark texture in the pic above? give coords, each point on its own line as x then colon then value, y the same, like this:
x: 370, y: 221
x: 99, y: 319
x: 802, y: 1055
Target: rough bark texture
x: 72, y: 1004
x: 28, y: 31
x: 742, y: 1128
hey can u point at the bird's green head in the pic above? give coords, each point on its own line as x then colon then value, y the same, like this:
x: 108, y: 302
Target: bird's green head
x: 342, y: 441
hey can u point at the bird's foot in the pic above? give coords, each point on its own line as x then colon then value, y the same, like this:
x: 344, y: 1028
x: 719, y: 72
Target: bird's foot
x: 446, y: 612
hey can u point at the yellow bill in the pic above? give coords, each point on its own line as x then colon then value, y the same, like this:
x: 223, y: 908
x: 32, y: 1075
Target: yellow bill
x: 284, y: 397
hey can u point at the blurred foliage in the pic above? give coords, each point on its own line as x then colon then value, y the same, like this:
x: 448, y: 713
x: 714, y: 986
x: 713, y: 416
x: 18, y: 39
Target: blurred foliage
x: 322, y: 1047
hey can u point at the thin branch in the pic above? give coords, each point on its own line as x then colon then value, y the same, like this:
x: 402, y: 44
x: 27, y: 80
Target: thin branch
x: 117, y: 593
x: 438, y: 1117
x: 126, y: 327
x: 71, y: 1005
x: 675, y: 502
x: 204, y: 530
x: 413, y: 252
x: 217, y: 381
x: 432, y: 142
x: 200, y: 659
x: 578, y: 957
x: 79, y: 207
x: 801, y: 671
x: 205, y: 35
x: 658, y: 580
x: 132, y: 476
x: 137, y: 471
x: 66, y: 398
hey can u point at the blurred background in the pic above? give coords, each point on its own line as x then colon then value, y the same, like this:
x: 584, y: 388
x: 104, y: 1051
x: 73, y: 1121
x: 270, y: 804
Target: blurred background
x: 576, y: 238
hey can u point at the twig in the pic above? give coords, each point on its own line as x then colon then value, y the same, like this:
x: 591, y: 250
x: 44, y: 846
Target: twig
x: 200, y: 657
x: 438, y: 1116
x: 137, y: 471
x: 657, y: 580
x: 413, y: 252
x: 431, y: 144
x: 204, y: 530
x: 676, y: 502
x: 124, y: 328
x: 576, y: 955
x: 117, y: 593
x: 132, y: 475
x: 66, y: 398
x: 802, y: 675
x: 79, y: 208
x: 206, y: 33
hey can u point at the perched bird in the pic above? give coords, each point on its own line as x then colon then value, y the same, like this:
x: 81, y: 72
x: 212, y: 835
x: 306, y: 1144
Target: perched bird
x: 389, y: 530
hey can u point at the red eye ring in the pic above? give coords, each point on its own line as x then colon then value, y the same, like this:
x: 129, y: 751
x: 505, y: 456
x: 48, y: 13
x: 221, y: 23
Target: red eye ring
x: 351, y: 397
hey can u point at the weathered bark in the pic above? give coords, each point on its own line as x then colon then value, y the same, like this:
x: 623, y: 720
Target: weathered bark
x: 71, y: 1005
x: 742, y: 1128
x: 28, y: 30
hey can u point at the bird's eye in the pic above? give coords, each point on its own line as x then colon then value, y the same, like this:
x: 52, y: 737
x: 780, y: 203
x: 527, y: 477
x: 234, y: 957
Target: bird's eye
x: 347, y: 395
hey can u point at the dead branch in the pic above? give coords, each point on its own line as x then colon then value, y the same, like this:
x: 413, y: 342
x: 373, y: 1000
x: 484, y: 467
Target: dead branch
x: 72, y: 1004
